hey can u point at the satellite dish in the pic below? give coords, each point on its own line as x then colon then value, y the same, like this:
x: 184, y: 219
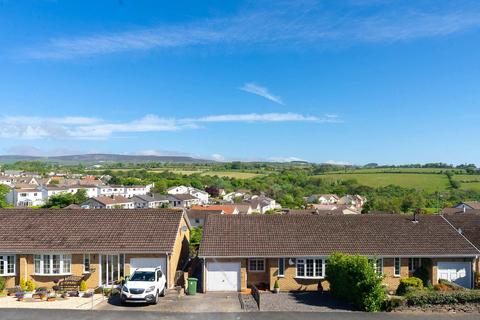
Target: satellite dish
x: 291, y: 262
x: 184, y: 229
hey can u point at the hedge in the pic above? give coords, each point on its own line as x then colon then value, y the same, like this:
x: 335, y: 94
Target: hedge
x: 353, y: 279
x: 419, y: 298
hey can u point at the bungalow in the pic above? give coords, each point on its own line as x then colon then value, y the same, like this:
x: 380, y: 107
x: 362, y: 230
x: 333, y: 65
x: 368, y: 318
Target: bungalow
x: 182, y: 200
x: 97, y: 246
x: 145, y: 201
x: 227, y: 209
x: 112, y: 202
x: 325, y: 199
x: 197, y: 217
x: 239, y: 251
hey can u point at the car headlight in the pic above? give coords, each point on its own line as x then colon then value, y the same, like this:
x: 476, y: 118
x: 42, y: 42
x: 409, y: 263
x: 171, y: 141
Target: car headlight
x: 150, y: 289
x: 124, y: 289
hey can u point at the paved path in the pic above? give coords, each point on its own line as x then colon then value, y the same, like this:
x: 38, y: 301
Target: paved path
x: 25, y: 314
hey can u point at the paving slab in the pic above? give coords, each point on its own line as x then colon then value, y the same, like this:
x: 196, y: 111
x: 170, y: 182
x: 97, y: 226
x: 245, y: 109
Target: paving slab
x: 74, y: 303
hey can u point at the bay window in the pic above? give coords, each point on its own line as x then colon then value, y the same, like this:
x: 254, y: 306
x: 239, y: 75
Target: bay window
x: 53, y: 264
x: 7, y: 265
x: 310, y: 268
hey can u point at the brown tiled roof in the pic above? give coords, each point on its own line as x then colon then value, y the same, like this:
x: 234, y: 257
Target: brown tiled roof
x: 469, y: 223
x: 92, y: 231
x: 320, y: 235
x: 473, y: 204
x: 228, y: 209
x: 112, y: 200
x: 201, y: 214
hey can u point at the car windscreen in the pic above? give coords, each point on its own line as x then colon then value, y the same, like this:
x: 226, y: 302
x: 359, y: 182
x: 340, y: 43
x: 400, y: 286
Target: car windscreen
x: 143, y: 276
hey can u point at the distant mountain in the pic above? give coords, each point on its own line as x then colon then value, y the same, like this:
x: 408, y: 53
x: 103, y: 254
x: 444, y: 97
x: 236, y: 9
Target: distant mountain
x: 101, y: 158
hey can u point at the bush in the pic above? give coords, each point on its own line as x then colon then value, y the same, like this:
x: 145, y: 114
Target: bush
x: 30, y: 285
x: 353, y: 279
x: 3, y: 282
x: 406, y: 284
x: 83, y: 286
x: 420, y: 298
x: 23, y: 285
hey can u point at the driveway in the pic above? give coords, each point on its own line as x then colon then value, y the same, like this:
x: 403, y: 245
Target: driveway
x: 172, y: 302
x: 302, y: 302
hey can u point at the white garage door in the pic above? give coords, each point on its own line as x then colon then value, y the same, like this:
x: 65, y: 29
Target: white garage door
x: 223, y: 276
x: 458, y: 272
x: 136, y: 263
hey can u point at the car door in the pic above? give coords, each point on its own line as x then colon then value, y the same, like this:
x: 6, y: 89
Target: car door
x: 160, y: 280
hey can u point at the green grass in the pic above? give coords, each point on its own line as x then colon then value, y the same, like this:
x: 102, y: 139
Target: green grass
x: 399, y: 170
x: 468, y: 182
x: 426, y: 182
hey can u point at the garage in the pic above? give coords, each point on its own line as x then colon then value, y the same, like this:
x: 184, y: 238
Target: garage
x: 136, y: 263
x: 223, y: 276
x: 457, y: 272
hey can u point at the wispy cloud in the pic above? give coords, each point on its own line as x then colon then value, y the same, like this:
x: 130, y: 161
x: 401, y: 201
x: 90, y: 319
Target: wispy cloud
x: 261, y: 91
x: 299, y: 24
x: 94, y: 128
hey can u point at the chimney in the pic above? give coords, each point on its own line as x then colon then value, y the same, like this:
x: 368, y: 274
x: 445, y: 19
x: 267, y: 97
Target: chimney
x: 317, y: 211
x: 464, y: 209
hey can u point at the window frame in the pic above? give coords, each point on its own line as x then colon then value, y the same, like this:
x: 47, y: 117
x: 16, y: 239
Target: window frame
x: 85, y: 271
x: 281, y: 274
x: 41, y: 258
x: 395, y: 261
x: 6, y: 265
x: 255, y: 261
x: 303, y: 262
x: 411, y: 264
x: 376, y: 265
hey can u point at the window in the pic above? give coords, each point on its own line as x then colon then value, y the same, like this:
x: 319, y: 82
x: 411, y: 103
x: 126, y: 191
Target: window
x: 396, y: 267
x: 377, y: 265
x: 86, y: 263
x: 310, y: 268
x: 281, y: 267
x: 413, y: 264
x: 52, y: 264
x: 7, y: 265
x: 256, y: 265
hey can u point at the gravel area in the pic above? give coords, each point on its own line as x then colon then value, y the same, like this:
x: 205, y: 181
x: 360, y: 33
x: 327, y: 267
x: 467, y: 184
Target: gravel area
x: 302, y: 301
x: 248, y: 303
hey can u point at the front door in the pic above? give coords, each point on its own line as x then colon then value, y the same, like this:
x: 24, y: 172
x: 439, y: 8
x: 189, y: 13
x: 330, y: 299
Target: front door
x: 112, y: 266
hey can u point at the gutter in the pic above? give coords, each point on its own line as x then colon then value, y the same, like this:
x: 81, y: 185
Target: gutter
x: 470, y: 255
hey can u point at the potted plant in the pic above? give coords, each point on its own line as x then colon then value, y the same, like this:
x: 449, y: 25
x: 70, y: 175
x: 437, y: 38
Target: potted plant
x: 276, y: 287
x: 29, y: 288
x: 11, y: 291
x: 83, y: 288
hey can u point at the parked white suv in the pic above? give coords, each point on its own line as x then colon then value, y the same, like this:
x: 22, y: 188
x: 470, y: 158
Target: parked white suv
x: 144, y: 285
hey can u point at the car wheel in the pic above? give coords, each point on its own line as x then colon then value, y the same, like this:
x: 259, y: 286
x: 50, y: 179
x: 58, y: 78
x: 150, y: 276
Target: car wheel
x: 155, y: 301
x: 162, y: 294
x: 123, y: 302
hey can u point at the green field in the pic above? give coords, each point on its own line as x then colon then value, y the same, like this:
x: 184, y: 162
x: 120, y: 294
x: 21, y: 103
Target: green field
x: 468, y: 182
x: 232, y: 174
x: 426, y: 182
x: 399, y: 170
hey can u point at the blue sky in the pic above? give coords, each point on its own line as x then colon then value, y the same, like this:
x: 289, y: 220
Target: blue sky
x: 351, y: 81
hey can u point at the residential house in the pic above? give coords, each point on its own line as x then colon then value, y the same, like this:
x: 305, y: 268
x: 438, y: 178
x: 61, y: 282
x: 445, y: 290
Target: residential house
x: 98, y: 246
x: 8, y: 181
x: 197, y: 217
x: 468, y: 225
x: 137, y: 190
x: 353, y: 201
x: 326, y: 199
x: 25, y: 197
x: 112, y: 190
x: 262, y: 204
x: 202, y: 196
x: 232, y: 196
x: 244, y: 250
x: 468, y: 205
x: 112, y: 202
x: 225, y: 208
x: 182, y: 200
x: 146, y: 201
x: 328, y: 209
x: 13, y: 173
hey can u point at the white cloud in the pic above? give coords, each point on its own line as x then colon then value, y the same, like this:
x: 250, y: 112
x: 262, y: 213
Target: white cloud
x: 261, y: 91
x: 93, y: 128
x: 218, y: 157
x: 299, y: 24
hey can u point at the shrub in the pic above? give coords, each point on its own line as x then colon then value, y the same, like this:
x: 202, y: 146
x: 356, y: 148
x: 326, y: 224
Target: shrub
x: 407, y: 283
x: 98, y: 290
x: 420, y: 298
x: 30, y: 285
x: 3, y: 282
x: 451, y: 286
x: 83, y: 286
x: 423, y: 274
x: 23, y: 285
x: 276, y: 285
x: 353, y: 279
